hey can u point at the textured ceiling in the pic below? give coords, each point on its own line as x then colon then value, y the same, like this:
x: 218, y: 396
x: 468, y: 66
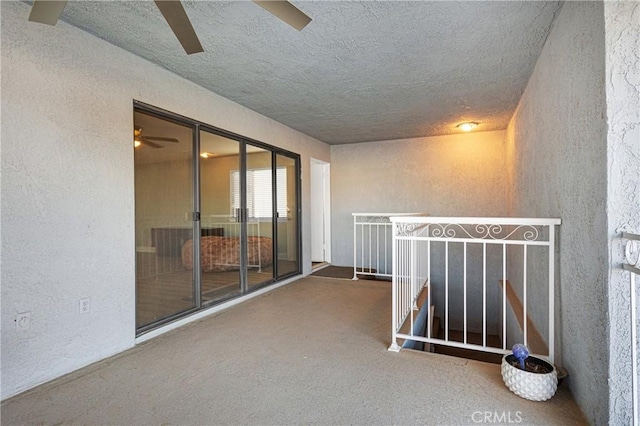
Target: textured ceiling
x: 360, y: 71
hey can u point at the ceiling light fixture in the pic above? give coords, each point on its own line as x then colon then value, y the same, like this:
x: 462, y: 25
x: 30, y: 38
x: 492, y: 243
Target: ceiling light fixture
x: 468, y: 126
x: 207, y: 155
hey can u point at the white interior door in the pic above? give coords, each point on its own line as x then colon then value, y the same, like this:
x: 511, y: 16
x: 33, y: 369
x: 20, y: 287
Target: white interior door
x: 320, y: 211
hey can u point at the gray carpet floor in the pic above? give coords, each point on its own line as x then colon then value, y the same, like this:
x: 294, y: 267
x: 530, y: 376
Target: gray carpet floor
x: 311, y: 352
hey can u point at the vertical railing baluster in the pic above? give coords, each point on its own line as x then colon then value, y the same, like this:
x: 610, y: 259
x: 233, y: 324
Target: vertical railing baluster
x: 369, y: 248
x: 504, y: 296
x: 407, y: 302
x: 412, y: 256
x: 362, y: 247
x: 377, y: 247
x: 465, y: 292
x: 404, y: 257
x: 446, y: 290
x: 524, y: 293
x: 386, y: 270
x: 407, y: 282
x: 484, y: 294
x: 416, y: 284
x: 552, y: 284
x: 429, y: 286
x: 399, y: 260
x: 412, y: 269
x: 355, y: 246
x: 634, y: 357
x: 394, y: 290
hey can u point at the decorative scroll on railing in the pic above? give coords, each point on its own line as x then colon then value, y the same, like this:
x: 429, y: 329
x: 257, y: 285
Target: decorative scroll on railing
x: 486, y: 277
x: 473, y: 232
x: 372, y: 243
x: 632, y: 264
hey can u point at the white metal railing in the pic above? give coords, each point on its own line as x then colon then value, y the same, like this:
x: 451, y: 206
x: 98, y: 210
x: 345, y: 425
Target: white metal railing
x: 372, y: 239
x: 632, y: 259
x: 466, y: 264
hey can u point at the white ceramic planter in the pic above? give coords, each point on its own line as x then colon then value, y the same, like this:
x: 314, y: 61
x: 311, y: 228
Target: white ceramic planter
x: 532, y: 386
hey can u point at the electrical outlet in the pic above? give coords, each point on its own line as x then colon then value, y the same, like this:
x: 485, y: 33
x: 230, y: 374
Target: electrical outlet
x: 85, y: 305
x: 23, y: 322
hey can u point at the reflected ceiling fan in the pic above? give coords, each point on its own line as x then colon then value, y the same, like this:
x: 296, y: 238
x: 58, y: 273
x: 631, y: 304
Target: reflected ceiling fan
x: 49, y: 11
x: 138, y: 139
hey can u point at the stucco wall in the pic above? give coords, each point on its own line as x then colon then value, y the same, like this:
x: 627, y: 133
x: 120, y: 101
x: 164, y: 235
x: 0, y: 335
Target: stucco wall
x: 622, y: 38
x: 557, y: 149
x: 459, y: 175
x: 67, y: 189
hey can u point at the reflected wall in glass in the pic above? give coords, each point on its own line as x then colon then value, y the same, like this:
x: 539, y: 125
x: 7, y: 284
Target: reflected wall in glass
x: 287, y: 223
x: 220, y: 244
x: 164, y: 204
x: 259, y: 216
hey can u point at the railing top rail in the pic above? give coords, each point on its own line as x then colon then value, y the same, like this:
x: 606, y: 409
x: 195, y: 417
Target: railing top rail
x: 477, y: 220
x: 630, y: 236
x: 421, y: 214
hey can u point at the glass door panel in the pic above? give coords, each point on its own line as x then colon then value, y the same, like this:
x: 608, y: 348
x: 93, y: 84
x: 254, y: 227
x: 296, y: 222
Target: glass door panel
x: 259, y: 193
x: 220, y: 219
x: 246, y: 230
x: 287, y: 218
x: 163, y: 165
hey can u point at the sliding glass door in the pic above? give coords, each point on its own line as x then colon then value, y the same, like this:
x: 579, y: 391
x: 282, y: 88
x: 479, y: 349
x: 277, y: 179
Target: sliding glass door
x: 211, y: 226
x: 258, y: 177
x: 287, y: 215
x: 163, y: 158
x: 220, y: 225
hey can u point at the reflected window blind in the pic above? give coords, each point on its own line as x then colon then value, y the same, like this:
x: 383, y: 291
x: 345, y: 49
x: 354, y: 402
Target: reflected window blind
x: 259, y: 194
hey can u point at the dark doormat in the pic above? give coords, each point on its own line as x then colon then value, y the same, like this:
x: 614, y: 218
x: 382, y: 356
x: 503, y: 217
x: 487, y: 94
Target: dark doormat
x: 342, y: 272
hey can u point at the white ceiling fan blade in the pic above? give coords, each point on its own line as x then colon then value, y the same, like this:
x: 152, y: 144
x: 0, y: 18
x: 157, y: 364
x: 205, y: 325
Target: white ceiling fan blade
x: 286, y: 11
x: 177, y: 18
x: 47, y: 11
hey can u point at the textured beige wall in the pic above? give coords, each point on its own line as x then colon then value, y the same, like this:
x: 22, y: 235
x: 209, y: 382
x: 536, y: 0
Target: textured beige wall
x: 459, y: 175
x: 557, y: 146
x: 622, y: 41
x: 67, y: 189
x: 215, y: 181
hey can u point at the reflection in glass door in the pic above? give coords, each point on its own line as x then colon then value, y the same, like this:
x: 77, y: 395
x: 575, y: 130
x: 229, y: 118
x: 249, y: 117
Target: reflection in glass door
x: 259, y: 196
x: 220, y: 241
x: 211, y: 226
x: 164, y: 224
x: 287, y: 215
